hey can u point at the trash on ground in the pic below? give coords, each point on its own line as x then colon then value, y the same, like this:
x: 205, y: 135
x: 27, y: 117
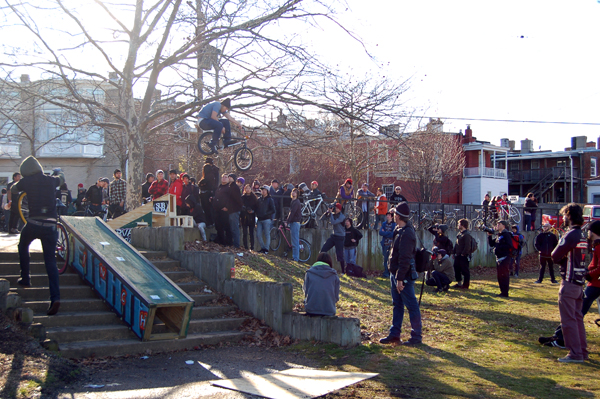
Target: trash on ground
x: 240, y: 254
x: 145, y: 357
x: 94, y: 386
x: 189, y: 362
x: 207, y: 290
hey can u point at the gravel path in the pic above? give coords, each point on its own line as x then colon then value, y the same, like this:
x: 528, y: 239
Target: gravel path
x: 168, y: 376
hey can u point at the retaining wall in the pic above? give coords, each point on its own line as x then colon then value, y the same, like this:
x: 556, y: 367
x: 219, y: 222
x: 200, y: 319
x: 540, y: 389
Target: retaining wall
x: 268, y: 301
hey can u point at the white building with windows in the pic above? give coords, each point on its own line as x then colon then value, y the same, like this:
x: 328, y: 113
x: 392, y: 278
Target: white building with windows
x: 485, y: 171
x: 57, y: 136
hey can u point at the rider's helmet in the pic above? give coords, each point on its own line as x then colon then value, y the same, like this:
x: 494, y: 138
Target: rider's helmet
x: 303, y: 188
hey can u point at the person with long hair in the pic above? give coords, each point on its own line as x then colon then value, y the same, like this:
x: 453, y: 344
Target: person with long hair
x: 248, y: 215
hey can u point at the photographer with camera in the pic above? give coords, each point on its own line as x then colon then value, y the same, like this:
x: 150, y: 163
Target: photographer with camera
x: 502, y: 245
x: 441, y: 276
x: 41, y: 224
x: 334, y: 212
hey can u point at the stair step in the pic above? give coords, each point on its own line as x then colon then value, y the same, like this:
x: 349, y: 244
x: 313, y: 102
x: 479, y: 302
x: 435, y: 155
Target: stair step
x: 176, y: 276
x: 207, y: 312
x: 14, y: 256
x: 41, y: 280
x: 66, y: 292
x: 205, y: 325
x: 66, y: 319
x: 153, y: 254
x: 192, y: 287
x: 67, y: 305
x: 166, y: 264
x: 89, y: 333
x: 13, y: 268
x: 200, y: 299
x: 75, y: 350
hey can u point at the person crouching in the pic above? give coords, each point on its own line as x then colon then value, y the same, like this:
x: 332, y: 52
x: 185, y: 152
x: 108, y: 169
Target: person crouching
x: 441, y: 276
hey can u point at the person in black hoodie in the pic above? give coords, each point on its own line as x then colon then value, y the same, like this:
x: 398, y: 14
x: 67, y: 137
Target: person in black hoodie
x: 264, y: 214
x: 221, y: 203
x: 248, y: 215
x: 146, y: 186
x: 545, y: 243
x: 293, y: 221
x: 486, y: 208
x: 353, y: 236
x: 502, y: 245
x: 207, y: 185
x: 196, y: 211
x: 402, y: 279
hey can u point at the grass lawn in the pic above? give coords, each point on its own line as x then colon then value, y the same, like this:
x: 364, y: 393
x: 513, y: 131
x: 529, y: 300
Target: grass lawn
x: 475, y: 344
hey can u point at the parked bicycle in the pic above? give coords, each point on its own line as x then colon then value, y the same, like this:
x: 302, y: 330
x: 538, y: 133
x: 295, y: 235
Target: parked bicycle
x: 62, y: 243
x: 242, y: 157
x: 104, y: 214
x: 280, y: 234
x: 313, y: 209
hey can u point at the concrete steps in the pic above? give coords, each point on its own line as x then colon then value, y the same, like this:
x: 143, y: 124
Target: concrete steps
x: 86, y: 326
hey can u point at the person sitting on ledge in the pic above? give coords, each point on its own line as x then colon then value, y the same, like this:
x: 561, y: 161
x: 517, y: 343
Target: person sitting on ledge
x: 321, y: 287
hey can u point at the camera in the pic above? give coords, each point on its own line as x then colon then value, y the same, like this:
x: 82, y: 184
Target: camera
x: 488, y: 230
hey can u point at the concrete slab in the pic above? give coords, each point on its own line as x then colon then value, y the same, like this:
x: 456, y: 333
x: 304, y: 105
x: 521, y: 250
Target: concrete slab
x: 294, y: 383
x: 9, y: 242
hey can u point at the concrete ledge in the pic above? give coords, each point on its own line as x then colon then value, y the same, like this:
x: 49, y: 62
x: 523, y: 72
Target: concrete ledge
x: 4, y: 290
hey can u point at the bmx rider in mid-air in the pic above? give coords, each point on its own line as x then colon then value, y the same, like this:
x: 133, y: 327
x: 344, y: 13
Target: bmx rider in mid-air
x: 209, y: 120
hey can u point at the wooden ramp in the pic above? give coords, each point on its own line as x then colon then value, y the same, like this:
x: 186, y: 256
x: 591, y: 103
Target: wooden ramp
x: 160, y: 212
x: 134, y: 288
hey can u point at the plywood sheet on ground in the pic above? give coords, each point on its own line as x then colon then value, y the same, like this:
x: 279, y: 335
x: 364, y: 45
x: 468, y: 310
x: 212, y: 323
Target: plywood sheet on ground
x: 294, y: 383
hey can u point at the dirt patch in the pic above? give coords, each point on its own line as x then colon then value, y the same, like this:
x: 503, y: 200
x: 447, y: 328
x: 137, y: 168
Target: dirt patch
x: 26, y: 369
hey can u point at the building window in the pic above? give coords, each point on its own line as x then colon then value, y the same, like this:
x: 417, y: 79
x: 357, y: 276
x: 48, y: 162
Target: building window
x: 561, y: 164
x: 388, y: 189
x: 593, y: 167
x: 514, y: 165
x: 535, y: 164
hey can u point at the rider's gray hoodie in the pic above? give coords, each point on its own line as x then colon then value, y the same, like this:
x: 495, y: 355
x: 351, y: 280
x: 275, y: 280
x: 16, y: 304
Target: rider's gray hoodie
x: 337, y: 221
x: 321, y: 289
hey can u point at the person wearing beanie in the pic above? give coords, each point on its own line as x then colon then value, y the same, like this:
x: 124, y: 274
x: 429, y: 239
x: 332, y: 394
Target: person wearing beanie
x: 462, y: 254
x: 502, y: 245
x: 208, y: 119
x: 402, y: 279
x: 117, y: 193
x: 441, y: 276
x: 314, y: 190
x: 569, y: 254
x: 592, y: 291
x: 160, y: 186
x: 146, y: 187
x: 240, y: 182
x: 41, y: 224
x: 545, y: 242
x: 81, y: 192
x: 336, y: 240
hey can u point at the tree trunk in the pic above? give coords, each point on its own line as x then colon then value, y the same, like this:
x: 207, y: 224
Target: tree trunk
x: 135, y: 167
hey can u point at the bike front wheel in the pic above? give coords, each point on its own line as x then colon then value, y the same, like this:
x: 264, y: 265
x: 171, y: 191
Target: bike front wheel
x: 275, y: 239
x: 305, y: 252
x: 515, y: 215
x: 23, y: 206
x: 62, y: 249
x: 243, y: 159
x: 203, y: 141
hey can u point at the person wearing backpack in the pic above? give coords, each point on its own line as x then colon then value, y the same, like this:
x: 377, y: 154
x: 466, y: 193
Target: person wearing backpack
x: 440, y: 238
x: 568, y: 254
x: 462, y: 253
x: 516, y: 258
x: 402, y: 279
x: 503, y: 247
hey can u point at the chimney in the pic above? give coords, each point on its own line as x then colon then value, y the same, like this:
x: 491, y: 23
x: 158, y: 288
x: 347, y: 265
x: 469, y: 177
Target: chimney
x: 468, y: 132
x: 504, y: 143
x: 590, y: 144
x: 578, y: 142
x: 526, y: 146
x: 511, y: 144
x: 24, y: 78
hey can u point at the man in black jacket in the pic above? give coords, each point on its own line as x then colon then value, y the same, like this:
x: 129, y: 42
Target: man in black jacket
x: 462, y: 253
x: 41, y: 224
x: 93, y: 196
x: 502, y: 247
x: 545, y: 243
x: 221, y: 203
x: 403, y: 276
x: 264, y: 215
x: 146, y: 186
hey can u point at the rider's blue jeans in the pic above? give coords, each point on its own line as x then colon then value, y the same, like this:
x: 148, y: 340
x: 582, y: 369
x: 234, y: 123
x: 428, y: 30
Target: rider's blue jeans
x: 216, y: 127
x: 295, y: 237
x: 408, y: 299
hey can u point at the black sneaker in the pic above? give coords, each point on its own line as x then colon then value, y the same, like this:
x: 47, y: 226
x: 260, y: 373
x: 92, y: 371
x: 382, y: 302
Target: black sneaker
x: 457, y: 285
x: 554, y: 282
x: 24, y: 283
x: 412, y: 342
x: 537, y: 282
x: 389, y: 340
x: 213, y: 147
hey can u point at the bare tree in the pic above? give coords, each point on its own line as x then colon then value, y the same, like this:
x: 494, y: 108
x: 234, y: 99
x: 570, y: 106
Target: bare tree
x: 431, y: 162
x: 159, y: 44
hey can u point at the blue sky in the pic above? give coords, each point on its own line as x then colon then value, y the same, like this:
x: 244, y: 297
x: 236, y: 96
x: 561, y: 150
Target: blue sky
x: 512, y: 60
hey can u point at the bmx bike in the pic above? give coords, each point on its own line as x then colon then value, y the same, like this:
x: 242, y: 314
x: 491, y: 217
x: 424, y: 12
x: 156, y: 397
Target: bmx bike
x: 242, y: 157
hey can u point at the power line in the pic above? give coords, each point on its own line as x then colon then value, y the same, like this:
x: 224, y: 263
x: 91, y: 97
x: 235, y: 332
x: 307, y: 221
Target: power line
x: 512, y: 120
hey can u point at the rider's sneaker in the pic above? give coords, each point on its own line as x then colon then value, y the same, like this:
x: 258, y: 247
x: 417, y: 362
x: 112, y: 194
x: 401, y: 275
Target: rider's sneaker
x: 227, y: 143
x: 213, y: 147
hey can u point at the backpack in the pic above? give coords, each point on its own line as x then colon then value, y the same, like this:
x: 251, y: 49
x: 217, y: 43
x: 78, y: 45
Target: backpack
x: 355, y: 271
x: 422, y: 258
x: 473, y: 247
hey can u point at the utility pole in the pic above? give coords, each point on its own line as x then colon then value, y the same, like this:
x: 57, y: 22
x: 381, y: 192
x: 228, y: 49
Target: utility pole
x: 200, y: 25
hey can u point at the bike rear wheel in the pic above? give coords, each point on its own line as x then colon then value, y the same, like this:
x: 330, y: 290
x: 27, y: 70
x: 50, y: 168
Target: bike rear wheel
x: 306, y: 215
x: 243, y: 159
x: 203, y: 141
x: 305, y: 251
x: 23, y: 207
x: 515, y: 215
x: 62, y: 249
x: 275, y: 239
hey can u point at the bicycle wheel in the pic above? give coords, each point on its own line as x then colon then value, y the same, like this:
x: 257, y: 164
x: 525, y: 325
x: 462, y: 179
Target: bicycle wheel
x: 325, y: 222
x: 305, y: 252
x: 478, y: 224
x: 355, y: 214
x: 62, y: 249
x: 306, y: 214
x: 23, y: 206
x: 275, y: 239
x: 243, y: 159
x: 451, y: 222
x: 515, y: 215
x: 203, y: 141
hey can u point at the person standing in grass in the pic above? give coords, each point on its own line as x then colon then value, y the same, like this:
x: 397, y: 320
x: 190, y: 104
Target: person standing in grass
x: 569, y: 254
x: 545, y: 243
x: 402, y: 279
x: 592, y: 291
x: 502, y: 245
x: 293, y: 221
x: 387, y: 234
x: 353, y: 236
